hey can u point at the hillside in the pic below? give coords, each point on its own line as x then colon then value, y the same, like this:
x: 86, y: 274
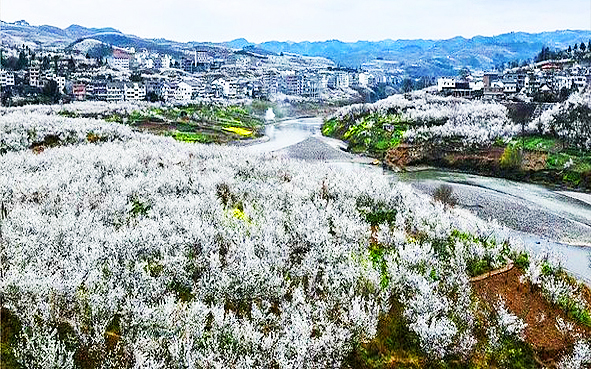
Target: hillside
x: 128, y: 250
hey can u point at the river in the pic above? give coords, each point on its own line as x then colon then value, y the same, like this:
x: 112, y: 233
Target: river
x: 544, y: 219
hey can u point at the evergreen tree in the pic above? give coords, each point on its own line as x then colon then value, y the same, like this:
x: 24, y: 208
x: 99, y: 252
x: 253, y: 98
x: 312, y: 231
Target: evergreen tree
x: 407, y: 85
x: 45, y: 64
x: 55, y: 63
x: 51, y: 91
x: 23, y: 61
x: 582, y: 47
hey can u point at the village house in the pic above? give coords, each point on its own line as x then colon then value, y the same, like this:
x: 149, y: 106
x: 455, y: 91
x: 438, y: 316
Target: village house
x: 184, y: 92
x: 79, y: 91
x: 120, y: 60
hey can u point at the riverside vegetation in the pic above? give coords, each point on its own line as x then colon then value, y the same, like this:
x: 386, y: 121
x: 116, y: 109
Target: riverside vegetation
x: 128, y: 250
x: 204, y: 122
x: 487, y: 138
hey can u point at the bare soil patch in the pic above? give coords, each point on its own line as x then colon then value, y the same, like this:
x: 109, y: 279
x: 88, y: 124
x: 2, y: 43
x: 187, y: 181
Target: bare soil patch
x: 542, y: 318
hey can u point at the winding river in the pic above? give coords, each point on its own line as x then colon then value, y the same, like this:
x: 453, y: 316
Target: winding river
x: 559, y: 221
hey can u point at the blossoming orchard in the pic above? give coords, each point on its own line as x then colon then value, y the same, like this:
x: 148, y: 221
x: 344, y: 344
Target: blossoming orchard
x: 127, y: 250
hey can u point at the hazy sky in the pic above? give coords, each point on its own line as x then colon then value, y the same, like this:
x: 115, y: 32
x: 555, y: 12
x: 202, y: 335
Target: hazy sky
x: 299, y: 20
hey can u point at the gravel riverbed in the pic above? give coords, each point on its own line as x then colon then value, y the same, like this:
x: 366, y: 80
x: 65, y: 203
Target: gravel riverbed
x: 517, y: 213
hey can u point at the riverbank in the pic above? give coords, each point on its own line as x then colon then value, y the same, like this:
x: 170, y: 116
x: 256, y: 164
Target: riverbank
x: 528, y: 166
x: 548, y: 145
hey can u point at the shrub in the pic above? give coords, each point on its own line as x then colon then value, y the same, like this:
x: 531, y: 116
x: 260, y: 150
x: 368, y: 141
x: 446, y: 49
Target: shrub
x: 511, y: 158
x: 522, y: 261
x: 445, y: 194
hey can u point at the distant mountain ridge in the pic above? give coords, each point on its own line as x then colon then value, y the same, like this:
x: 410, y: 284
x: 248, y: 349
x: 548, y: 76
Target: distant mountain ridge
x: 416, y: 57
x: 476, y: 52
x: 47, y: 35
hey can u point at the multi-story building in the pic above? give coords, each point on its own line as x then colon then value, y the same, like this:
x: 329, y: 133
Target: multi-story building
x: 6, y: 78
x: 35, y: 77
x: 165, y: 61
x: 510, y: 86
x: 363, y: 80
x: 200, y: 88
x: 119, y: 63
x: 292, y: 84
x: 269, y: 84
x: 341, y: 80
x: 60, y: 80
x: 120, y: 60
x: 99, y: 91
x: 580, y: 82
x: 169, y: 90
x: 134, y: 91
x: 446, y: 84
x: 188, y: 65
x: 154, y: 85
x: 309, y: 85
x: 231, y: 88
x: 115, y: 91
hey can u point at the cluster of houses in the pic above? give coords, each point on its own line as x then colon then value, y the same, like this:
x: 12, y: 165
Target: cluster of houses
x: 127, y: 75
x: 547, y: 78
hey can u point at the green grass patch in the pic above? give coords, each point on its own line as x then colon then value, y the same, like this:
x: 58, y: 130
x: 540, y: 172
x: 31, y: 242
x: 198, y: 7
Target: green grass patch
x: 513, y: 353
x: 522, y: 261
x: 139, y: 208
x: 192, y: 137
x: 475, y: 266
x: 137, y: 117
x: 378, y: 217
x: 329, y: 127
x: 10, y: 328
x: 537, y: 143
x: 394, y: 346
x: 68, y: 114
x: 376, y: 254
x: 114, y: 118
x: 575, y: 311
x: 374, y: 134
x: 570, y: 161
